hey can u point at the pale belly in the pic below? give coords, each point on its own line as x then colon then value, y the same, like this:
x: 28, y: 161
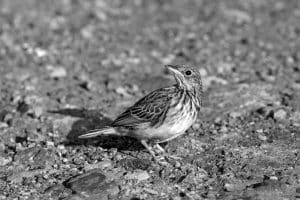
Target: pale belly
x: 172, y: 128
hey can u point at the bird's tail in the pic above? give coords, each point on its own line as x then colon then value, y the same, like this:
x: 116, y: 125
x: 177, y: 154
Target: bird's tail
x: 102, y: 131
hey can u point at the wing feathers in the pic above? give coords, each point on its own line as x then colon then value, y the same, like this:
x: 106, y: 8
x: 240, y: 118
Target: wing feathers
x: 148, y: 109
x: 97, y: 132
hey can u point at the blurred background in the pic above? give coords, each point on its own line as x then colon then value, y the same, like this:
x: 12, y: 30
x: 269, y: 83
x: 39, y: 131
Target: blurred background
x: 66, y: 66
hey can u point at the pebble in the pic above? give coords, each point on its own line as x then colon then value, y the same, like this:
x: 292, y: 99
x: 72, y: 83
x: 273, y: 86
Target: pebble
x: 225, y: 68
x: 139, y: 175
x: 123, y: 91
x: 224, y: 129
x: 88, y: 182
x: 4, y: 161
x: 262, y: 137
x: 238, y: 15
x: 203, y: 72
x: 168, y: 59
x: 38, y: 111
x: 196, y: 126
x: 50, y: 144
x: 57, y: 72
x: 63, y: 124
x: 150, y: 191
x: 40, y: 52
x: 235, y: 114
x: 105, y: 164
x: 233, y: 187
x: 280, y: 115
x: 274, y: 178
x: 218, y: 120
x: 259, y: 130
x: 3, y: 125
x: 61, y: 147
x: 177, y: 164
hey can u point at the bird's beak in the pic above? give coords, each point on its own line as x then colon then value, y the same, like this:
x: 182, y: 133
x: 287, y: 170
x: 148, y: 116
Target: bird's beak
x: 173, y: 69
x: 177, y: 74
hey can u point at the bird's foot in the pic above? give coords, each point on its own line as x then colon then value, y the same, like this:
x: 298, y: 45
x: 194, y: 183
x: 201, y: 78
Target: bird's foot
x: 149, y: 148
x: 163, y: 158
x: 165, y: 154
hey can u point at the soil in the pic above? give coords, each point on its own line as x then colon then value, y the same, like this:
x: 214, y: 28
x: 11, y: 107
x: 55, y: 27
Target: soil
x: 70, y: 66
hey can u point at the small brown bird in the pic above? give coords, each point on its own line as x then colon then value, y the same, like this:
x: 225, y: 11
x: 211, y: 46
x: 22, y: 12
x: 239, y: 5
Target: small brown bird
x: 163, y: 114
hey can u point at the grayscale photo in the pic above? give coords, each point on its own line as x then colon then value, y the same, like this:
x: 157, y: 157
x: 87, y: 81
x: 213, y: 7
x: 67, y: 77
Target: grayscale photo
x: 149, y: 99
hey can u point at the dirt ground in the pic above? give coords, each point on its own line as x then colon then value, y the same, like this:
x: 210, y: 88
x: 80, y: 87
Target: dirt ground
x: 70, y: 66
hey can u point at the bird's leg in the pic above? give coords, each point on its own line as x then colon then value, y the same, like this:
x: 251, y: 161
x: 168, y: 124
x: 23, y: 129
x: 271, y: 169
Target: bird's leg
x: 160, y: 148
x: 165, y: 154
x: 144, y: 143
x: 160, y: 160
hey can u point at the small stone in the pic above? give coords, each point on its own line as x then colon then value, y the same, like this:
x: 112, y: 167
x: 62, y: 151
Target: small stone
x: 122, y: 91
x: 50, y: 144
x: 196, y: 126
x: 64, y: 124
x: 57, y: 190
x: 218, y: 120
x: 4, y: 161
x: 168, y: 59
x: 234, y: 187
x: 3, y: 125
x: 87, y: 32
x: 139, y: 175
x: 225, y: 68
x: 280, y: 115
x: 105, y: 164
x: 38, y: 111
x: 224, y: 129
x: 259, y: 130
x: 177, y: 164
x: 2, y: 197
x: 262, y: 137
x: 57, y: 72
x: 203, y: 72
x: 91, y: 182
x: 8, y: 118
x: 238, y: 15
x: 235, y: 114
x: 274, y: 178
x: 40, y: 52
x: 61, y: 147
x: 150, y: 191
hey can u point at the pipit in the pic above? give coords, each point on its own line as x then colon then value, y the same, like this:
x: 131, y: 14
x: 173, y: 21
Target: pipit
x: 163, y: 114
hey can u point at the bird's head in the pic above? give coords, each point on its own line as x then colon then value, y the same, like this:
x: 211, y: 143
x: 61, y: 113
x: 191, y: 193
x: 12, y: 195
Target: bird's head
x: 186, y: 77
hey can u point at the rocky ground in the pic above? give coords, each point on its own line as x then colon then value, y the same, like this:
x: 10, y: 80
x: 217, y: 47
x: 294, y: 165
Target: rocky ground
x: 70, y: 66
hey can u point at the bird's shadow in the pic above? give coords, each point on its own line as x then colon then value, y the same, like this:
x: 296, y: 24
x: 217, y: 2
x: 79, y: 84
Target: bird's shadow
x: 90, y: 120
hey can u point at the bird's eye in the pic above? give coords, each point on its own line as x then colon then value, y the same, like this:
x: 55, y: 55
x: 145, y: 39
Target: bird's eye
x: 188, y: 72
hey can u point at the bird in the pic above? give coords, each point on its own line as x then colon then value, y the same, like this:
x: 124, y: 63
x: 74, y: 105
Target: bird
x: 161, y: 115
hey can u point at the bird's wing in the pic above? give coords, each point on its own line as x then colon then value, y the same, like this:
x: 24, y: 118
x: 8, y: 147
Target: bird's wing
x: 148, y: 109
